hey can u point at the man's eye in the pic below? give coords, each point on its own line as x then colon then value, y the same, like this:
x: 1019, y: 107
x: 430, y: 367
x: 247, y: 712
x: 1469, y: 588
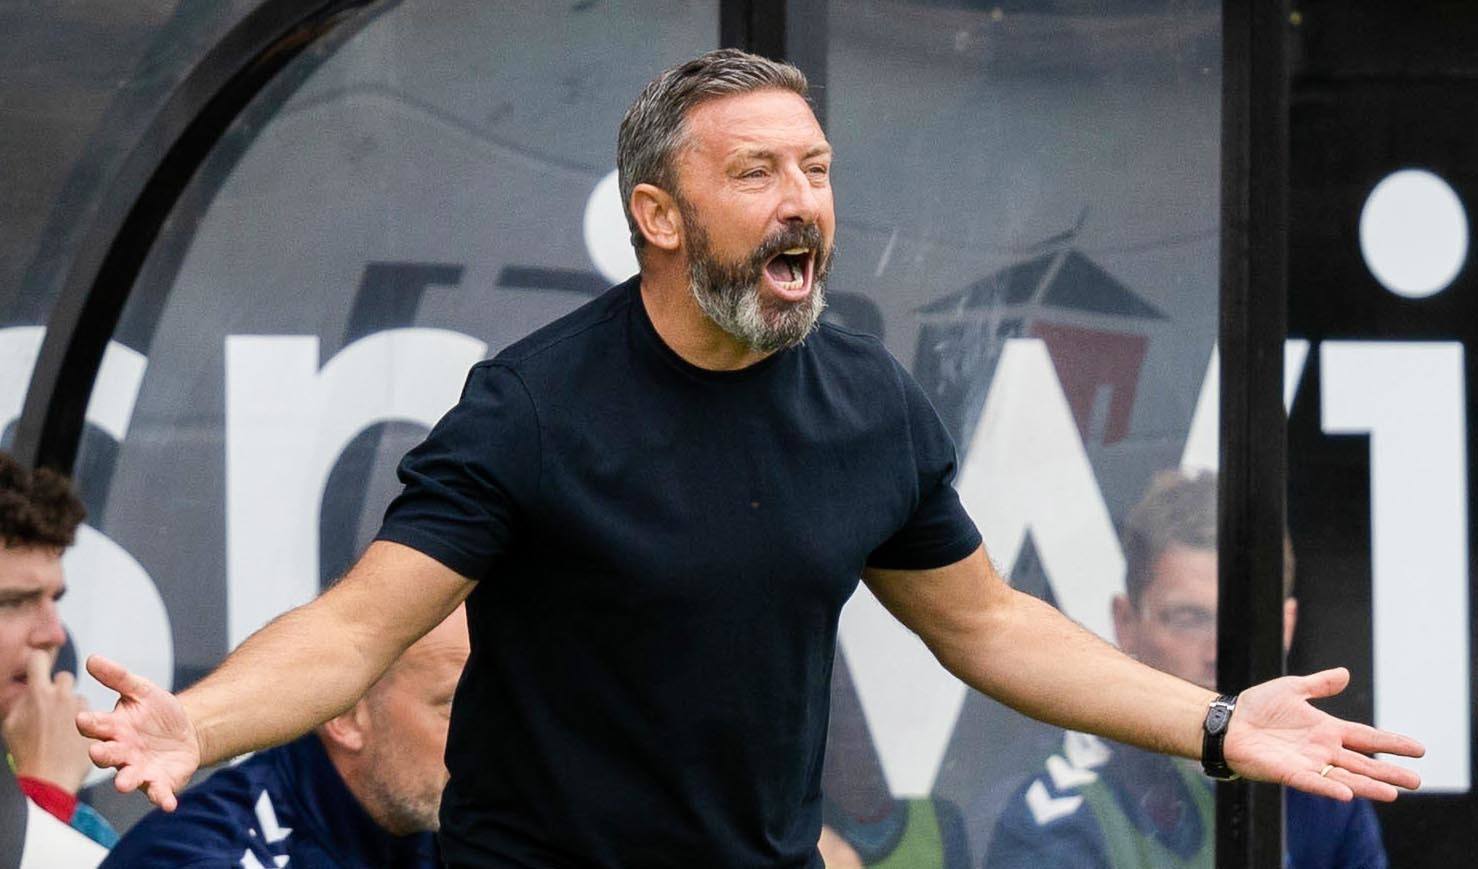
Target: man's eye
x: 755, y: 173
x: 1189, y: 618
x: 820, y: 171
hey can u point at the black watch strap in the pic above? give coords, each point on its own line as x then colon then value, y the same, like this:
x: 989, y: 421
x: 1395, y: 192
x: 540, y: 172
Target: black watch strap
x: 1213, y: 736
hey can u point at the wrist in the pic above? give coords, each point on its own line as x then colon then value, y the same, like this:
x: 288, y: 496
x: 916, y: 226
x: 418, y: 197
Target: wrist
x: 50, y: 776
x: 1214, y: 729
x: 196, y: 730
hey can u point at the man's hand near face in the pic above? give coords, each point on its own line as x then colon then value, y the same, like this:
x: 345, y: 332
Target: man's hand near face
x: 40, y: 728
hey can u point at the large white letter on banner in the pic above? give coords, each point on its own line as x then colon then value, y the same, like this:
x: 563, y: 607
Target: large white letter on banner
x: 287, y: 421
x: 1409, y: 397
x: 1026, y: 470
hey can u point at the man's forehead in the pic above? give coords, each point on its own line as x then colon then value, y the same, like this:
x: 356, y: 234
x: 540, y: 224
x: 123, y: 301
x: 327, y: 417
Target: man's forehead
x: 29, y: 566
x: 753, y: 123
x: 1183, y: 571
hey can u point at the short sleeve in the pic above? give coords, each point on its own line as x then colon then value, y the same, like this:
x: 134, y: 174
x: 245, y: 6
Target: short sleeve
x: 469, y: 483
x: 939, y: 532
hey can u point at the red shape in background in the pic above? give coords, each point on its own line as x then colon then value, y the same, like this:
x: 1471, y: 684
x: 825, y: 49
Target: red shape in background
x: 1088, y: 359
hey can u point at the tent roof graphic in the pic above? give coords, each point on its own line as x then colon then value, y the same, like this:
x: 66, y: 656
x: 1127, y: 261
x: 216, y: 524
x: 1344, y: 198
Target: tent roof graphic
x: 1064, y: 279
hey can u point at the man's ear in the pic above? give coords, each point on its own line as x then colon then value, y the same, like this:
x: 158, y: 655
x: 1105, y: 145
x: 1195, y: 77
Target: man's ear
x: 349, y: 730
x: 657, y: 216
x: 1126, y: 619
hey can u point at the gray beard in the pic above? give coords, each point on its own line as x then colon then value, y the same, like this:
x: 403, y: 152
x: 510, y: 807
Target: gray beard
x: 732, y: 296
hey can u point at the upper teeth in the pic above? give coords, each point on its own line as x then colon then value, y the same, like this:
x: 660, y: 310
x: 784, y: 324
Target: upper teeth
x: 796, y: 251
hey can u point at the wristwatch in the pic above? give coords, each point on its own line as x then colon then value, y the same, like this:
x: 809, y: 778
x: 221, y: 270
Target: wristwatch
x: 1214, y: 732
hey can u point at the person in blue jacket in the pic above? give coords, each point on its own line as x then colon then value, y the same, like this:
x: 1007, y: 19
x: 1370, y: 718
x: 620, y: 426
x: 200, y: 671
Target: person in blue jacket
x: 362, y: 790
x: 1097, y: 803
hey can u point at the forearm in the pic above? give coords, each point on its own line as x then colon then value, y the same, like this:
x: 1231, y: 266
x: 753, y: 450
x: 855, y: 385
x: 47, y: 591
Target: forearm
x: 1034, y: 659
x: 298, y: 671
x: 314, y: 662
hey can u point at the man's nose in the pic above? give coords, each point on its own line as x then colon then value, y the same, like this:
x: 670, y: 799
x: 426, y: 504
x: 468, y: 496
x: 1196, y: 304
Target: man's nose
x: 47, y: 632
x: 799, y: 200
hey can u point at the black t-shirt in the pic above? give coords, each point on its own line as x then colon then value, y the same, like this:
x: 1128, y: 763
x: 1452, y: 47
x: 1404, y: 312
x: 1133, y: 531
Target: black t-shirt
x: 662, y: 553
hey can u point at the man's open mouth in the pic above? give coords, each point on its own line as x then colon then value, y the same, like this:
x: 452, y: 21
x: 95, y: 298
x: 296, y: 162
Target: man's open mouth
x: 790, y: 271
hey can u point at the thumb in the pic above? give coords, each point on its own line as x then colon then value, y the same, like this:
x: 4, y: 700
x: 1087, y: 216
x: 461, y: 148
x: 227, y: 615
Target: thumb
x: 1327, y: 683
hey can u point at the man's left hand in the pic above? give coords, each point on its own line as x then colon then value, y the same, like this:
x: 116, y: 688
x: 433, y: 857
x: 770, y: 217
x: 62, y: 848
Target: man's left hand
x: 41, y: 729
x: 1276, y: 735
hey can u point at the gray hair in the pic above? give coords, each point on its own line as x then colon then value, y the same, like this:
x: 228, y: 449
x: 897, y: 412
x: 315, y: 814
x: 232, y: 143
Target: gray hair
x: 1178, y: 509
x: 654, y: 127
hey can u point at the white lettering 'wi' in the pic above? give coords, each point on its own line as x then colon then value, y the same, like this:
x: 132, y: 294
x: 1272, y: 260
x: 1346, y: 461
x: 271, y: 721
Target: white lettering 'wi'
x: 1026, y: 470
x: 287, y: 421
x: 1409, y: 397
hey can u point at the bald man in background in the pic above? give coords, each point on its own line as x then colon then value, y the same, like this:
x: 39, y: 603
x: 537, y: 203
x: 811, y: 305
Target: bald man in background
x: 362, y: 790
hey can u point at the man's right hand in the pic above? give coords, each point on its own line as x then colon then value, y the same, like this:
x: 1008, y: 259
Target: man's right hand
x: 147, y: 737
x: 39, y: 730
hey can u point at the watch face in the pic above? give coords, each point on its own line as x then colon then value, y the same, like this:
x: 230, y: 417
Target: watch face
x: 1216, y: 719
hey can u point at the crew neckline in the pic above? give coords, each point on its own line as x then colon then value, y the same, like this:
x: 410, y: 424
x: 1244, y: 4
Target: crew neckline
x: 674, y: 359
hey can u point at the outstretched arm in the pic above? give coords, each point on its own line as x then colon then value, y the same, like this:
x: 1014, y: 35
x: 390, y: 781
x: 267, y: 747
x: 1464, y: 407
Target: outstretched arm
x: 303, y: 668
x: 1029, y: 656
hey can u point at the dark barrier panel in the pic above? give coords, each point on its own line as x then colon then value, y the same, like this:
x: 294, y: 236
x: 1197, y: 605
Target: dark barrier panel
x: 1384, y: 298
x: 1254, y: 260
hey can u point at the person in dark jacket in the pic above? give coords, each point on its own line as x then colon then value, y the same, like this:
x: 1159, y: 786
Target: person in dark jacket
x: 362, y: 790
x: 1102, y: 804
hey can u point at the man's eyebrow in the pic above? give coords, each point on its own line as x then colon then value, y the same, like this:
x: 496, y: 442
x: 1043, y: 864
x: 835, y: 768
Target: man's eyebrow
x: 753, y: 154
x: 15, y: 595
x: 769, y: 154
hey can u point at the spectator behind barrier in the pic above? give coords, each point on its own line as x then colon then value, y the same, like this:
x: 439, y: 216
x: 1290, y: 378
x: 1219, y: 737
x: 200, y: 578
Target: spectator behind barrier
x: 1101, y: 804
x: 32, y: 838
x: 39, y: 515
x: 363, y: 790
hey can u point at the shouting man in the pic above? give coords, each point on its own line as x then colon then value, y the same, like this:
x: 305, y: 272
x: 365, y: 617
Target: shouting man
x: 655, y: 508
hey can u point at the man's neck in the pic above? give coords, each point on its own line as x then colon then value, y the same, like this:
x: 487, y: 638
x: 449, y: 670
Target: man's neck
x: 684, y: 328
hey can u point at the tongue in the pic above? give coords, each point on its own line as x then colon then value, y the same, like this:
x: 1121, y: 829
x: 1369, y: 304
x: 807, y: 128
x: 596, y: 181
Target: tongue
x: 779, y: 269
